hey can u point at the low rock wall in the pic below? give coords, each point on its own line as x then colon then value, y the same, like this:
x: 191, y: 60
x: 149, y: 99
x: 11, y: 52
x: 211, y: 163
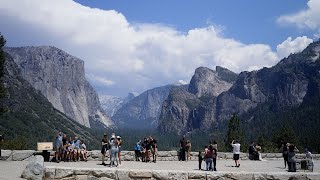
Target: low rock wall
x: 123, y: 174
x: 20, y: 155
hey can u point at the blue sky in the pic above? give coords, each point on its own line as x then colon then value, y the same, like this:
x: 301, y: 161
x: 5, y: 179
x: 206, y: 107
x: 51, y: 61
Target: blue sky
x: 249, y: 21
x: 133, y: 46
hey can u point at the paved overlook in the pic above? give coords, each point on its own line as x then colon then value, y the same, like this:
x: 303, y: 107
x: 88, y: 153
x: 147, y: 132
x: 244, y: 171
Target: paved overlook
x: 11, y: 170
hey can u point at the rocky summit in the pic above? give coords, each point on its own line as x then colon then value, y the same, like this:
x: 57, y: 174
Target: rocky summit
x: 213, y: 96
x: 142, y: 111
x: 189, y: 107
x: 61, y: 79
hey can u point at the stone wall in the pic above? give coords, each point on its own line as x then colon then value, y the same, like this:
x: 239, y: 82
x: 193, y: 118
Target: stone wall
x: 20, y: 155
x: 123, y: 174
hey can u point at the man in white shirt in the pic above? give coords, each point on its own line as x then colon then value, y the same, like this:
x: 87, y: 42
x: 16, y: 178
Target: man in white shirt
x: 236, y: 152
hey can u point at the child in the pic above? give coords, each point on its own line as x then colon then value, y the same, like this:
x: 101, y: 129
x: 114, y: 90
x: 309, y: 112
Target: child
x: 200, y: 160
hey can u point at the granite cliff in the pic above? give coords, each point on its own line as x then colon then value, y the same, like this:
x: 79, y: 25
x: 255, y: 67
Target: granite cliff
x: 61, y: 79
x: 191, y: 106
x: 142, y: 111
x: 213, y: 97
x: 30, y: 117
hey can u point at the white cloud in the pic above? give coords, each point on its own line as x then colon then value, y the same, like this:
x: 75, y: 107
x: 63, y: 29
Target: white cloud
x: 292, y: 45
x: 100, y: 80
x: 305, y: 19
x: 135, y: 56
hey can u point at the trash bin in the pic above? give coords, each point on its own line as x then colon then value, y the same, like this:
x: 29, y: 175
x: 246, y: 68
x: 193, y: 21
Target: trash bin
x: 46, y: 155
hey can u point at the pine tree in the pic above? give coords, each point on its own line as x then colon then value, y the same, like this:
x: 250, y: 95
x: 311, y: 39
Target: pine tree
x: 285, y: 135
x: 2, y: 60
x: 235, y: 131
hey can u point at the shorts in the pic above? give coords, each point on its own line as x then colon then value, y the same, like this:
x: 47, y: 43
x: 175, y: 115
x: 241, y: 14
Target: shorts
x: 236, y: 157
x: 120, y: 148
x: 58, y: 149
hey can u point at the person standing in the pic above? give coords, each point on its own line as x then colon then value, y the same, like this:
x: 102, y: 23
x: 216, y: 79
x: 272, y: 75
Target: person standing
x: 114, y: 150
x: 183, y: 144
x: 200, y: 159
x: 252, y: 151
x: 154, y: 148
x: 285, y: 154
x: 236, y: 152
x: 188, y: 150
x: 120, y: 148
x: 292, y: 158
x: 58, y: 146
x: 1, y: 141
x: 104, y: 148
x: 137, y: 150
x: 209, y: 158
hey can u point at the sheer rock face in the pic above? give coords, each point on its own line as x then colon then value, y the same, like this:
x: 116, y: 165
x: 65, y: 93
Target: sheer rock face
x: 207, y: 82
x: 288, y: 84
x: 61, y: 79
x: 142, y: 111
x: 192, y: 106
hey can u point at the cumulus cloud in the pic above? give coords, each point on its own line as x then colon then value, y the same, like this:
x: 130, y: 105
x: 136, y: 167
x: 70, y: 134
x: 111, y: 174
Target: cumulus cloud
x: 135, y: 56
x: 101, y: 80
x: 292, y: 45
x: 305, y: 19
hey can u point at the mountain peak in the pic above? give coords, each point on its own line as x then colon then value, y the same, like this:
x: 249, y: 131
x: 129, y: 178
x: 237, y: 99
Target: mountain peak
x: 206, y: 81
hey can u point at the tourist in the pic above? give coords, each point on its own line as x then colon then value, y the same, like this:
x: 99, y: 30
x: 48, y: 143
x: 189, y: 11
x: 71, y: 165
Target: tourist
x: 120, y: 148
x: 200, y: 159
x: 83, y: 150
x: 58, y: 146
x: 308, y: 158
x: 105, y: 146
x: 70, y: 149
x: 1, y: 141
x: 291, y: 158
x: 284, y: 149
x: 236, y: 152
x: 253, y: 154
x: 214, y: 158
x: 215, y: 155
x: 258, y: 148
x: 208, y: 156
x: 215, y: 145
x: 76, y: 149
x: 137, y: 150
x: 154, y: 149
x: 188, y: 150
x: 114, y: 151
x: 64, y: 147
x: 183, y: 144
x: 144, y: 150
x: 147, y: 151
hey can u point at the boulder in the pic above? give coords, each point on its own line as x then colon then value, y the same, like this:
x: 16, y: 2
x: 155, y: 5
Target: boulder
x: 178, y: 175
x: 140, y: 174
x: 6, y: 155
x: 160, y: 174
x: 50, y: 172
x: 63, y: 172
x: 123, y: 174
x: 197, y: 175
x: 34, y: 169
x: 18, y: 155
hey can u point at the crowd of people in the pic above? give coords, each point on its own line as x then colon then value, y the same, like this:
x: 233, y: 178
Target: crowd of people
x: 144, y: 149
x: 74, y: 149
x: 69, y: 149
x: 114, y: 147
